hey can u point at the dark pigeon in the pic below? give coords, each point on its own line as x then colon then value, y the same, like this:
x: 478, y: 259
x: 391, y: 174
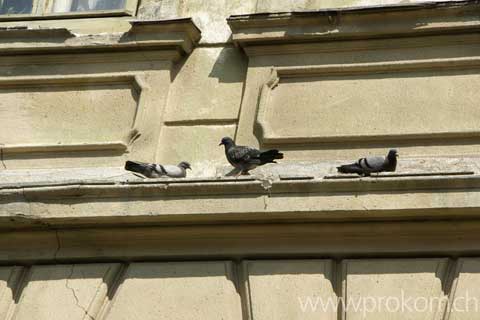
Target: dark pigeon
x: 152, y: 170
x: 366, y: 166
x: 247, y: 158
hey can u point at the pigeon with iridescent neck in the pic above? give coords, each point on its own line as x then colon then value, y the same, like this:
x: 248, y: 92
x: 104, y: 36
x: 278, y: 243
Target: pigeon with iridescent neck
x: 247, y: 158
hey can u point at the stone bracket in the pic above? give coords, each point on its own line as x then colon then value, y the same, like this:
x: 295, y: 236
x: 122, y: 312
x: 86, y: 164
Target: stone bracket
x: 177, y: 35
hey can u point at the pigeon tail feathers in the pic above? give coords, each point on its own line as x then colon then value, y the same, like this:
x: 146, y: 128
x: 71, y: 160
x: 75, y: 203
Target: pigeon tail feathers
x: 135, y: 167
x: 269, y: 156
x: 350, y: 168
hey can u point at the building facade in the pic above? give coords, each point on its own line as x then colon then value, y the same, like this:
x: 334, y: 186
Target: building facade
x: 88, y: 84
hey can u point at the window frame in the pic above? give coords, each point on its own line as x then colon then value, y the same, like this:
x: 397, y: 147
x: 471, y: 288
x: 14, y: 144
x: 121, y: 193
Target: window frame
x: 41, y: 10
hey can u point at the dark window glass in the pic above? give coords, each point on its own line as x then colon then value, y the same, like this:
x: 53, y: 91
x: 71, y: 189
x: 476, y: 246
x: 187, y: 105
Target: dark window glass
x: 16, y: 6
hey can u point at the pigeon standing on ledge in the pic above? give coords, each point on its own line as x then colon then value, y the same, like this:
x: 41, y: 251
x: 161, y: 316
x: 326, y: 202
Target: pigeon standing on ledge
x: 152, y: 170
x: 247, y: 158
x: 366, y: 166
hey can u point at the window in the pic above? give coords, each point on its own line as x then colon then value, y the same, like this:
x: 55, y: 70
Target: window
x: 87, y: 5
x: 18, y: 9
x: 16, y: 6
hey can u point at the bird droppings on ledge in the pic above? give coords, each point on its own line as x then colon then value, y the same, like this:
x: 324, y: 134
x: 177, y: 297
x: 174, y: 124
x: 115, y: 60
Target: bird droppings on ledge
x: 400, y: 175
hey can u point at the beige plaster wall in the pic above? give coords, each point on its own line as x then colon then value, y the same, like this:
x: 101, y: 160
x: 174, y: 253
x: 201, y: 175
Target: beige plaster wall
x: 254, y: 289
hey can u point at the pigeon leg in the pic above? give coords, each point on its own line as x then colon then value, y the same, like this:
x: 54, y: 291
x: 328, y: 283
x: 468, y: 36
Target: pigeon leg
x: 233, y: 173
x: 239, y: 173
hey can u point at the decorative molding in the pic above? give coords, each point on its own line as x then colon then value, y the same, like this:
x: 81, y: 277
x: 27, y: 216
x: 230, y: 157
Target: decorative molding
x: 136, y: 81
x: 176, y: 36
x: 163, y: 187
x: 355, y: 23
x: 379, y: 239
x: 182, y: 32
x: 267, y: 134
x: 169, y: 201
x: 68, y: 147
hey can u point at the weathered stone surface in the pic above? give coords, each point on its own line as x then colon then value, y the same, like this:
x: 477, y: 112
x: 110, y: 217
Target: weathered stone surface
x: 9, y: 278
x: 378, y: 287
x: 279, y: 289
x: 288, y: 68
x: 465, y: 297
x: 208, y: 86
x: 119, y: 97
x: 299, y: 5
x: 65, y: 291
x: 34, y: 109
x: 180, y: 143
x: 325, y: 103
x: 210, y: 15
x: 202, y: 290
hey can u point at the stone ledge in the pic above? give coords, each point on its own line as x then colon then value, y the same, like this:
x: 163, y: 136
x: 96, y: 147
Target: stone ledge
x: 411, y: 182
x: 201, y: 201
x: 179, y: 35
x: 355, y: 23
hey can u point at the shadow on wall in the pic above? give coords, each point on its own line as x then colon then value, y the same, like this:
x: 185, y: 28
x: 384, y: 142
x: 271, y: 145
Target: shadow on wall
x: 230, y: 65
x: 227, y: 68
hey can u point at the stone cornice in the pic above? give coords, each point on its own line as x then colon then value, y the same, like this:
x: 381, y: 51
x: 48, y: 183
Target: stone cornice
x: 178, y: 35
x: 196, y: 201
x: 357, y: 23
x: 233, y: 186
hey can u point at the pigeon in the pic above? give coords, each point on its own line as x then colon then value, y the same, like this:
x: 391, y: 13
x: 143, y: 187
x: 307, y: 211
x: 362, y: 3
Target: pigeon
x: 247, y: 158
x: 152, y: 170
x: 366, y: 166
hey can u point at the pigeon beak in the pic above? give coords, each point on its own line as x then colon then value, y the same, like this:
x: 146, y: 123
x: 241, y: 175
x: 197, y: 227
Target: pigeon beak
x: 220, y: 143
x: 189, y: 168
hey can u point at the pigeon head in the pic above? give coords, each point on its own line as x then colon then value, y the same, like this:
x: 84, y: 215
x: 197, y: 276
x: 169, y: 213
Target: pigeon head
x: 392, y: 154
x: 227, y: 142
x: 185, y: 165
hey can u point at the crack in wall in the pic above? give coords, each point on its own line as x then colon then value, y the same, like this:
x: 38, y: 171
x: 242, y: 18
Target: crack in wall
x: 59, y: 245
x: 77, y: 302
x: 2, y: 159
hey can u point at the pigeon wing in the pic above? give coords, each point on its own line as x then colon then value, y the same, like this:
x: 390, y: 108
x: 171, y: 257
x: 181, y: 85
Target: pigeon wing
x: 372, y: 163
x: 143, y: 168
x: 241, y: 154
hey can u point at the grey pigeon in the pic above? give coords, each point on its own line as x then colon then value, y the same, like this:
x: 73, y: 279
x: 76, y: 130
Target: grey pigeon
x: 247, y: 158
x: 152, y: 170
x: 366, y: 166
